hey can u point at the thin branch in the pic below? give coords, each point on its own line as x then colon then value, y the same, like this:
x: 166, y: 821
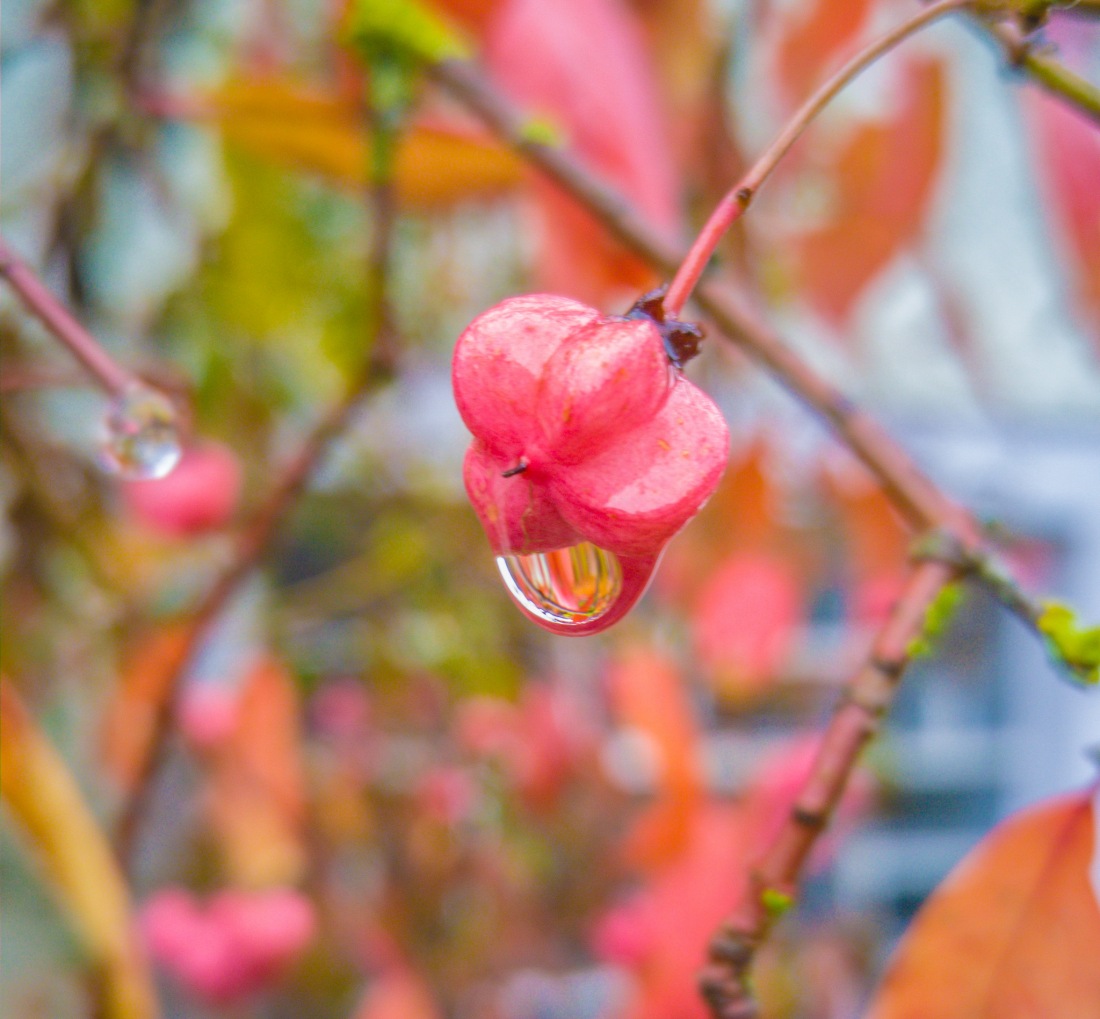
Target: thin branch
x: 867, y: 697
x: 740, y: 196
x: 107, y: 372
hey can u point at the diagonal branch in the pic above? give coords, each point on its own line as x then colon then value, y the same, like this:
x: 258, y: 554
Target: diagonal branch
x: 856, y: 719
x: 107, y: 372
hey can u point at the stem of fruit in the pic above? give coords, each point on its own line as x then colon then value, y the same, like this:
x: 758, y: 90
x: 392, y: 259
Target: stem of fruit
x: 106, y: 371
x: 256, y: 536
x: 866, y: 699
x: 740, y: 196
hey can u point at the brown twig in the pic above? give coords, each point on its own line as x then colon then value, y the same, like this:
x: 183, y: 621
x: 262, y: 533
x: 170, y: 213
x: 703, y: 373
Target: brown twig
x: 107, y: 372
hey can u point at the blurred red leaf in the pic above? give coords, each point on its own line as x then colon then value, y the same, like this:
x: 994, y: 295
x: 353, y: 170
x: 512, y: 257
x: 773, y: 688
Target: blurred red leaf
x: 473, y: 15
x: 884, y: 177
x: 877, y: 542
x: 538, y: 741
x: 741, y: 515
x: 744, y: 622
x: 1013, y: 932
x: 662, y: 932
x: 648, y: 696
x: 1068, y: 149
x: 582, y: 64
x: 813, y: 39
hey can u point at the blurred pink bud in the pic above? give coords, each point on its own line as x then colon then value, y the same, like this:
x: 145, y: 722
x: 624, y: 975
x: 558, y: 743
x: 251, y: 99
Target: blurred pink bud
x: 622, y: 936
x: 341, y: 708
x: 199, y: 495
x: 208, y: 714
x: 447, y: 794
x: 239, y: 944
x: 268, y: 929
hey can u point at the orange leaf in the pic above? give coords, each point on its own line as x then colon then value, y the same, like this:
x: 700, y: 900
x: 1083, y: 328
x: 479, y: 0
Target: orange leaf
x: 45, y: 802
x: 649, y: 697
x: 257, y: 785
x: 144, y: 682
x: 307, y: 128
x: 1014, y: 931
x: 884, y: 177
x: 813, y: 39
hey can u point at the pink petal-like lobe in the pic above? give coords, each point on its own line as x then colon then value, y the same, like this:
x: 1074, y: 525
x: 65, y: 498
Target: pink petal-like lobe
x: 642, y: 488
x: 606, y: 379
x: 517, y: 513
x: 498, y: 360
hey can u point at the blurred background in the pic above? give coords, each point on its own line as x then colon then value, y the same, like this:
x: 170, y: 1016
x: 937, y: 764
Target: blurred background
x: 386, y: 795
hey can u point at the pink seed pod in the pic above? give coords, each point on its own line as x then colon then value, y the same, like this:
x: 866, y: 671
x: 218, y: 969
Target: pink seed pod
x: 233, y: 946
x: 590, y: 452
x: 200, y: 495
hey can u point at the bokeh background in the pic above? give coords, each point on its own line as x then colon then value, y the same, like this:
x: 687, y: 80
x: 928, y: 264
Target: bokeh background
x: 424, y: 804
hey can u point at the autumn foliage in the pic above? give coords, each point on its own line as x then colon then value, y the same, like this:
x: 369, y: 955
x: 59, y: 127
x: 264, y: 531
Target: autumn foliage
x: 276, y: 740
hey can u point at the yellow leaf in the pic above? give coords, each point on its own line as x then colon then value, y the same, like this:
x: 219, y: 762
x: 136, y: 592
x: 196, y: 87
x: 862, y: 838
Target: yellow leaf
x: 43, y: 799
x: 322, y: 132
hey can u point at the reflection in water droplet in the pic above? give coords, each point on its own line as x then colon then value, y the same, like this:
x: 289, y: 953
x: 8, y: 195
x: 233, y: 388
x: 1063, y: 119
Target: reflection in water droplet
x: 567, y: 586
x: 142, y: 441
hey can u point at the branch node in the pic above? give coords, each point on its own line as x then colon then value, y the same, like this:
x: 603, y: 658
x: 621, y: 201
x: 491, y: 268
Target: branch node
x: 943, y: 545
x: 814, y: 819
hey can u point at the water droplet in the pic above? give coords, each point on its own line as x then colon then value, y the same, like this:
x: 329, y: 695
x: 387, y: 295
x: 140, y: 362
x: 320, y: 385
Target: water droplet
x: 567, y: 587
x: 142, y: 440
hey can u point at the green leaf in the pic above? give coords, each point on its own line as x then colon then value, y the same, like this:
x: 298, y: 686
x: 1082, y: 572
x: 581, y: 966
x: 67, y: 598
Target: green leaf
x: 776, y: 903
x: 939, y: 614
x: 403, y: 30
x: 1075, y: 646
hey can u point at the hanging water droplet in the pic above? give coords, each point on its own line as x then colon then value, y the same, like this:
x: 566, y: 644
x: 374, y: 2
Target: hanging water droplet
x: 142, y: 440
x: 569, y: 586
